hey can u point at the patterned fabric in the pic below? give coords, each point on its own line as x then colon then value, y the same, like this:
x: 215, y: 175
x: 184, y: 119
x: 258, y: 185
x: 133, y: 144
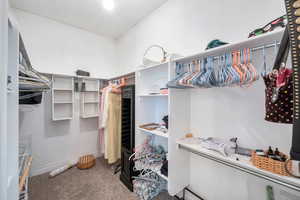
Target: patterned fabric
x: 281, y: 110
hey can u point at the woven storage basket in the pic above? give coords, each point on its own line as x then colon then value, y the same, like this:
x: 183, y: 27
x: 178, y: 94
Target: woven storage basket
x: 270, y: 164
x: 86, y: 162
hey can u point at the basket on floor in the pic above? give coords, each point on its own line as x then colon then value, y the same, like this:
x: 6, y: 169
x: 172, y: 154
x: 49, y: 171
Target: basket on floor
x: 86, y: 162
x: 271, y: 165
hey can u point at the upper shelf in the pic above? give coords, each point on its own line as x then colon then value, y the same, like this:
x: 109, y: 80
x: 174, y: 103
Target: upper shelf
x: 241, y: 164
x: 253, y: 42
x: 143, y: 68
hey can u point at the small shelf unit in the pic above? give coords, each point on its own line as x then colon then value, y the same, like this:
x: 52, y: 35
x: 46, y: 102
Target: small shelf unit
x: 62, y: 98
x: 89, y: 98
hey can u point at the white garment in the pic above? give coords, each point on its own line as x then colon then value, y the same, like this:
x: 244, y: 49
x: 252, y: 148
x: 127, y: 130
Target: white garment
x: 105, y: 108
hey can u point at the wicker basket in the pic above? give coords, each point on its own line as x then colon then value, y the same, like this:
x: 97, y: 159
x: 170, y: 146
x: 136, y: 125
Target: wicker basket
x: 86, y: 162
x: 270, y: 164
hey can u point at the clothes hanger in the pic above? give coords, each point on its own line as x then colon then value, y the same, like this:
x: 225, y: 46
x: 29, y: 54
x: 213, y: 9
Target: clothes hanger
x: 236, y: 67
x: 185, y: 80
x: 264, y: 73
x: 196, y: 72
x: 200, y: 72
x: 250, y: 65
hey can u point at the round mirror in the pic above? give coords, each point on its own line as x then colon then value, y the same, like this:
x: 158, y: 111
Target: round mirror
x: 153, y: 55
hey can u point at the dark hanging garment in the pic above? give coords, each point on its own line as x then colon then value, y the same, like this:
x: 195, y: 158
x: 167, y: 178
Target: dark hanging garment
x: 34, y: 98
x: 279, y: 87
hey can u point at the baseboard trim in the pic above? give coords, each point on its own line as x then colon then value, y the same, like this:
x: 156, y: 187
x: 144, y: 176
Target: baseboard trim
x: 52, y: 166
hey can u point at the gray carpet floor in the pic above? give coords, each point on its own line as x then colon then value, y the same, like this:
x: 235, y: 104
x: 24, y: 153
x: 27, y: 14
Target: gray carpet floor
x: 97, y: 183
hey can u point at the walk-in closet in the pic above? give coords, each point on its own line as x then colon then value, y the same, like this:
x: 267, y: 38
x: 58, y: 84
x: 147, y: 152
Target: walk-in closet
x: 150, y: 100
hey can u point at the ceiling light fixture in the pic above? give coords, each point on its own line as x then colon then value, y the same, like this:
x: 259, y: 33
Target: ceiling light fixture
x: 108, y: 4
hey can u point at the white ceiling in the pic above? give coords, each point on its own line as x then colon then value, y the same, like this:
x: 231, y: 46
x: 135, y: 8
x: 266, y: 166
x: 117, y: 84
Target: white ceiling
x: 90, y: 15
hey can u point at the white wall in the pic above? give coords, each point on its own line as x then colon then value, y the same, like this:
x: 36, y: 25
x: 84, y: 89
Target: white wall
x: 55, y: 143
x: 58, y: 48
x: 185, y: 27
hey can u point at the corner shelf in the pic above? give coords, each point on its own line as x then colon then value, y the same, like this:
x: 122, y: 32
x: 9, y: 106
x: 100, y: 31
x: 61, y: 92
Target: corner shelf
x: 155, y: 132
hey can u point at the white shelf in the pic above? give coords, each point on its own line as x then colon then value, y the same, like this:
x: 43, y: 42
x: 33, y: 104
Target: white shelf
x: 155, y: 132
x: 241, y: 164
x: 248, y: 43
x: 90, y: 116
x: 153, y: 95
x: 142, y: 68
x: 62, y: 118
x: 91, y: 102
x: 91, y: 91
x: 62, y: 89
x: 63, y: 102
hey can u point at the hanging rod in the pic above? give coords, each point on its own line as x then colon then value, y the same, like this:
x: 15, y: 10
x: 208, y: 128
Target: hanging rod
x: 265, y: 46
x: 262, y: 47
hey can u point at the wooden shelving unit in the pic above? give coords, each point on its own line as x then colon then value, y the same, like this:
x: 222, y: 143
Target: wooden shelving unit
x: 62, y: 98
x: 89, y: 98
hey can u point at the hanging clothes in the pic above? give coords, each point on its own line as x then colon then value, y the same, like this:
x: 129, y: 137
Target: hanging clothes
x: 110, y: 123
x: 113, y: 131
x: 101, y: 118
